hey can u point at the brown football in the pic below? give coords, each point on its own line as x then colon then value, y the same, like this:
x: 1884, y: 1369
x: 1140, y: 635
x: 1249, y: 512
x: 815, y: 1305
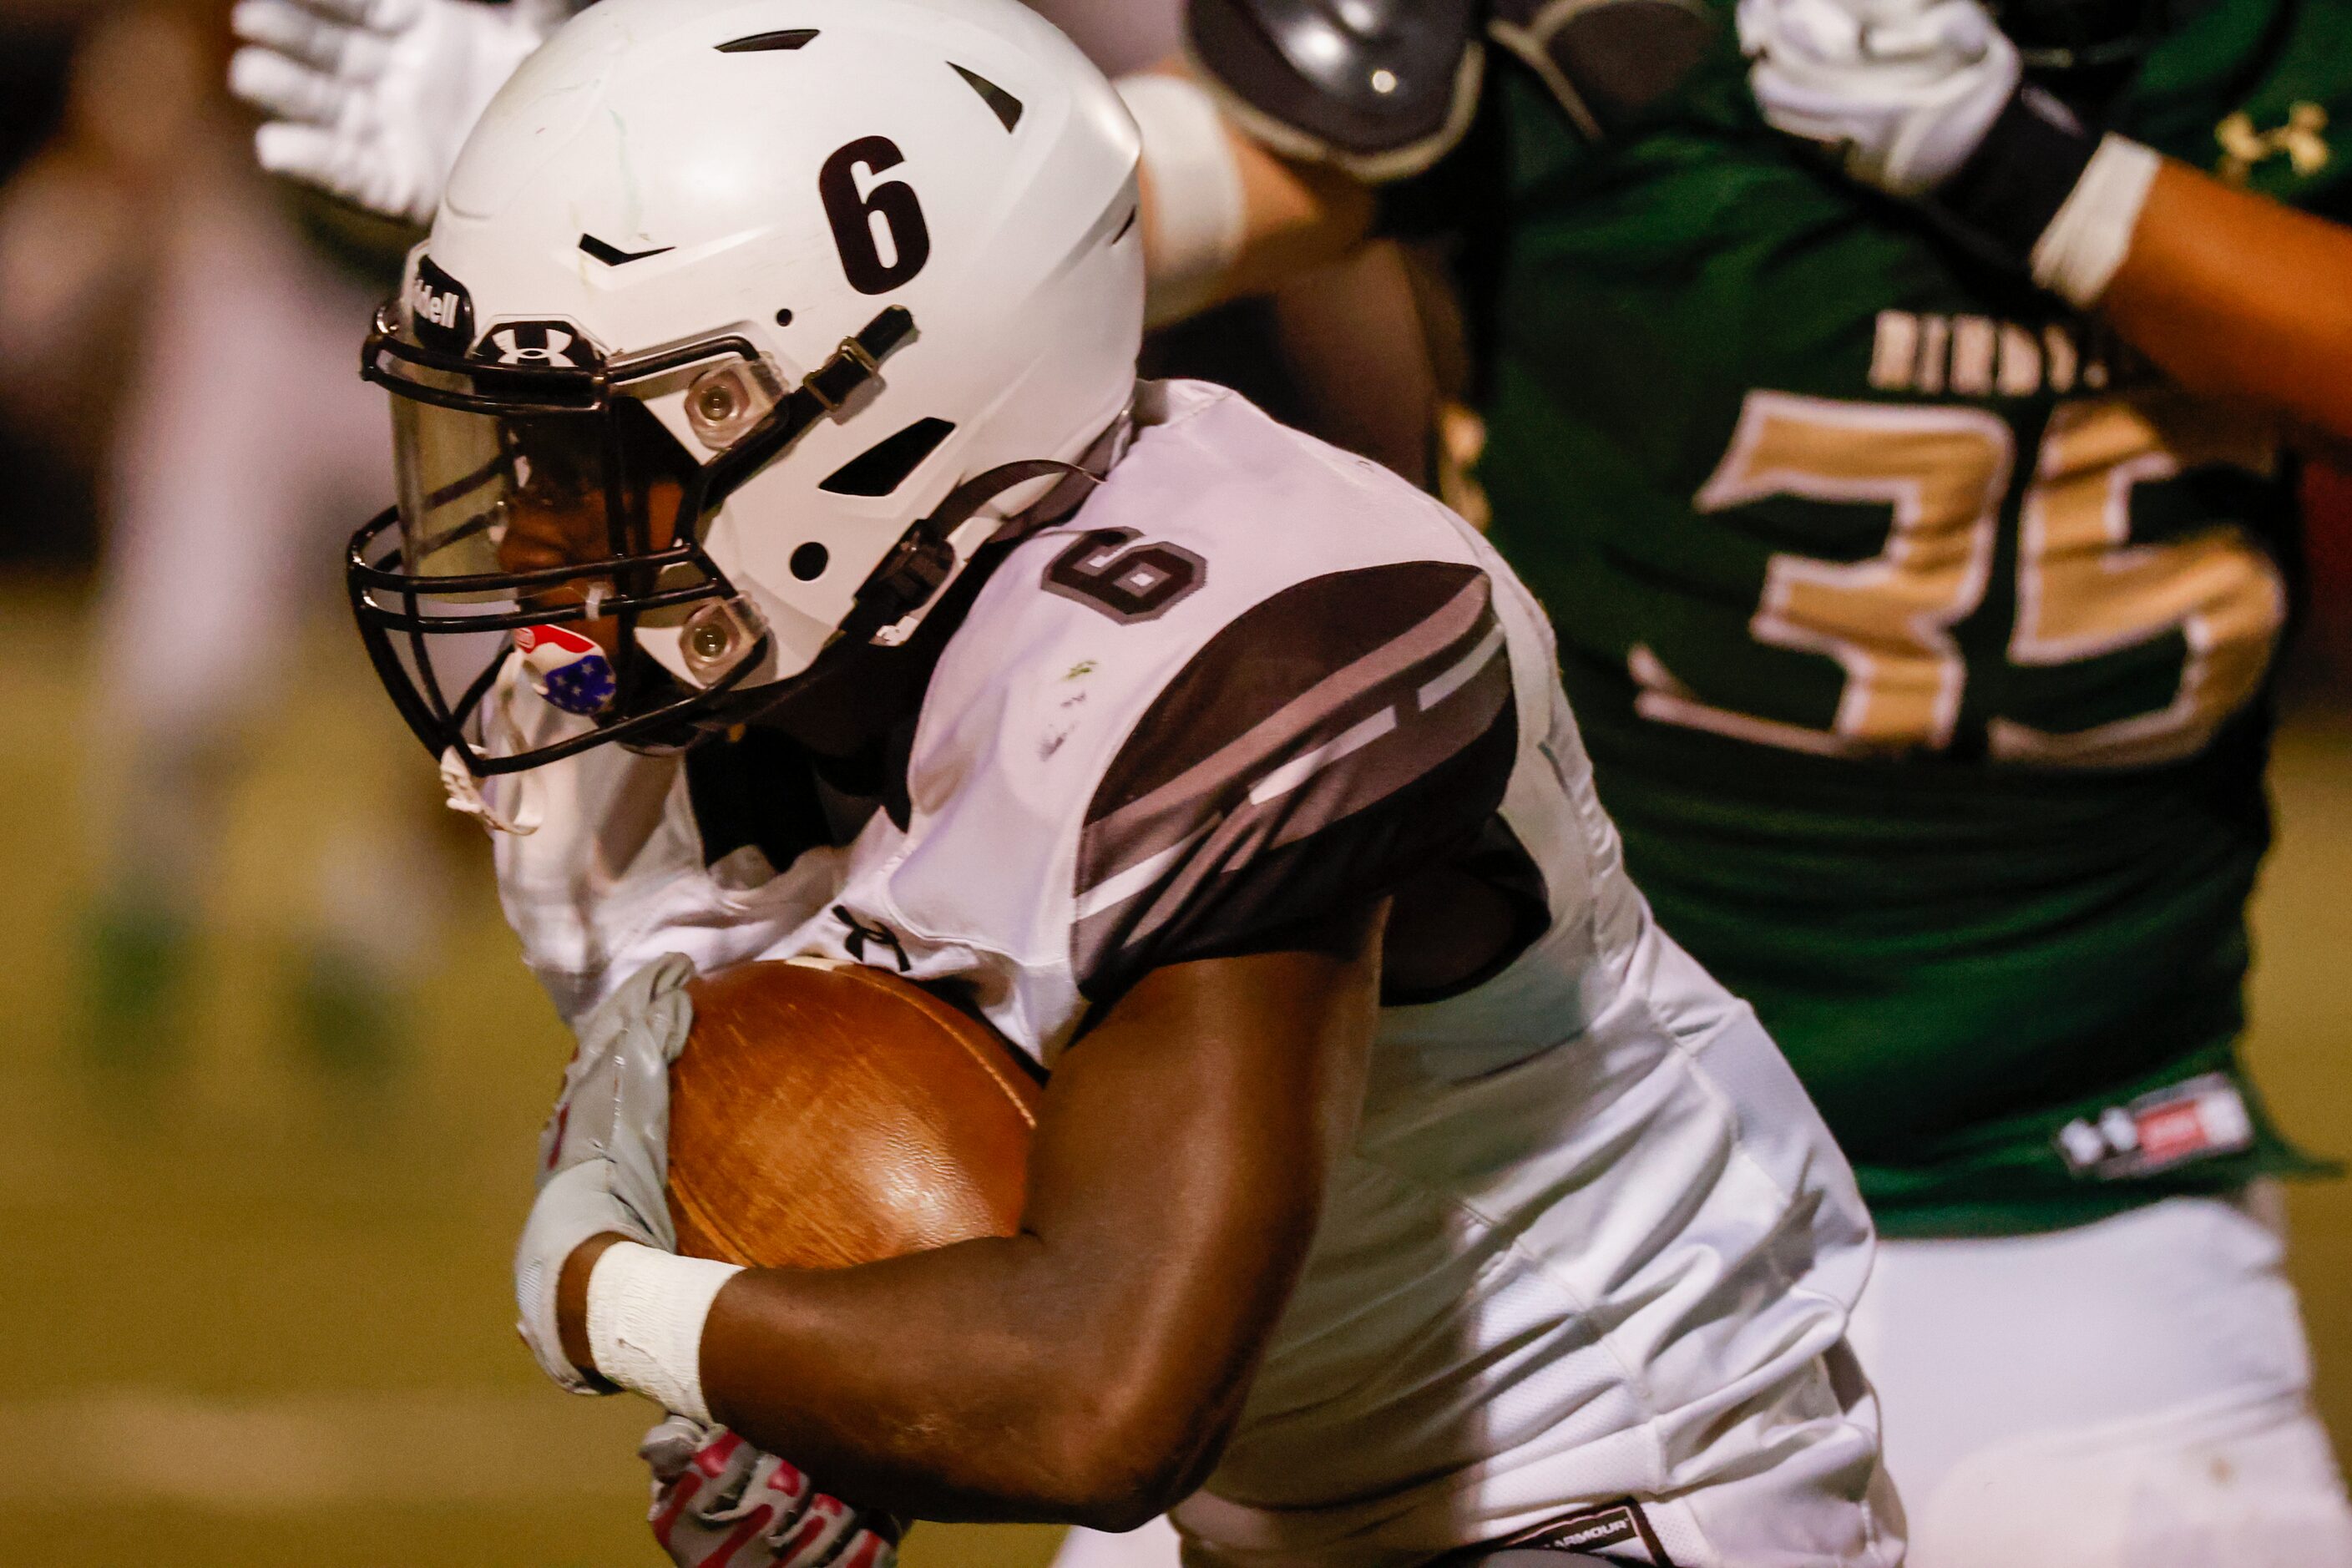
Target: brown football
x: 823, y: 1115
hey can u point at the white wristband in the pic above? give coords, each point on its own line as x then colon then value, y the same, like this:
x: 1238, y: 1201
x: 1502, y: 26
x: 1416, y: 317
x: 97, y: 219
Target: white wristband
x: 2077, y: 255
x: 645, y: 1312
x: 1198, y: 212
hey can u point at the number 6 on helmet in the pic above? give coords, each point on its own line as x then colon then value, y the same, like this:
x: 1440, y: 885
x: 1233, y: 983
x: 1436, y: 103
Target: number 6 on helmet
x: 729, y: 311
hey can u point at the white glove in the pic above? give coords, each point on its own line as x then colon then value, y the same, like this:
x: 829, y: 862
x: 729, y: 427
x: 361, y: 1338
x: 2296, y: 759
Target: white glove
x: 1908, y: 88
x: 714, y: 1494
x: 604, y: 1154
x: 370, y: 100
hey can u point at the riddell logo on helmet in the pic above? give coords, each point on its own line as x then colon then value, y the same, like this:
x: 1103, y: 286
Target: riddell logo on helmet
x: 439, y: 308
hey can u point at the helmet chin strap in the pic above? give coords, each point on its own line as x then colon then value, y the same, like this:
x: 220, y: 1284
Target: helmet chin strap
x: 924, y: 558
x: 467, y: 797
x: 472, y: 796
x: 923, y: 561
x: 1093, y: 465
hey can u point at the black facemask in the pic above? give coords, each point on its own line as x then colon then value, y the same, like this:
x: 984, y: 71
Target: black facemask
x: 538, y: 495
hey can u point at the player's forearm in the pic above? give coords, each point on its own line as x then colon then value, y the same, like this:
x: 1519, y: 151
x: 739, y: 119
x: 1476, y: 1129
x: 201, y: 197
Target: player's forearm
x: 2230, y: 294
x: 1223, y: 215
x: 986, y: 1381
x: 1300, y: 217
x: 2238, y: 296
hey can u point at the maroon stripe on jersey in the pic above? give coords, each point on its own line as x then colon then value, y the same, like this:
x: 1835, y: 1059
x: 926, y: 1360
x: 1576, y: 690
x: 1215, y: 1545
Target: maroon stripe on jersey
x: 1292, y: 769
x: 1382, y: 770
x: 1287, y: 676
x: 1395, y: 759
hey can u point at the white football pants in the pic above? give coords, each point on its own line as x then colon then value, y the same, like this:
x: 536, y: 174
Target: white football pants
x: 2132, y: 1394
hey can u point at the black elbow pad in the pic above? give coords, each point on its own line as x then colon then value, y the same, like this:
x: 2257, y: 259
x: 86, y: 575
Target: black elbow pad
x: 1380, y: 87
x: 1383, y: 88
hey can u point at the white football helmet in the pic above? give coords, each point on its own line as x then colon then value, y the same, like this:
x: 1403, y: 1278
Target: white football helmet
x: 742, y: 325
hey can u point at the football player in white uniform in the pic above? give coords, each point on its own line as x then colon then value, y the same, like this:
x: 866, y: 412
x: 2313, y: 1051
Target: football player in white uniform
x: 1401, y: 1193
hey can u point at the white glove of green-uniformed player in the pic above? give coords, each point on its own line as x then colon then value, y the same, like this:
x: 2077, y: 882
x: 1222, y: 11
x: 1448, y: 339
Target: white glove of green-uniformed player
x: 370, y: 100
x: 1907, y: 92
x: 1925, y: 100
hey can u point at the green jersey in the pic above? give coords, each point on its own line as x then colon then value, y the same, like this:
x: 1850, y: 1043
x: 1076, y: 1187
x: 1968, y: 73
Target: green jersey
x: 1922, y: 641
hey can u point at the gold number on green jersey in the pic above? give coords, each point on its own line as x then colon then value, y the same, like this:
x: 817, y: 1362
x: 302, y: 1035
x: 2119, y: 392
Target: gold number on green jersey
x: 2082, y: 588
x: 1886, y: 620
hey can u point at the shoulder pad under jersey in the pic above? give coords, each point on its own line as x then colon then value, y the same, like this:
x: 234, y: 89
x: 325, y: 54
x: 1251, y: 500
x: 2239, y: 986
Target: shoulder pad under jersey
x: 1380, y: 87
x: 1383, y: 88
x: 1607, y: 61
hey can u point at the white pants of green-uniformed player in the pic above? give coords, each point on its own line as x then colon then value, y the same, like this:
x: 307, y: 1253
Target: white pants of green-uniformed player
x: 2130, y: 1393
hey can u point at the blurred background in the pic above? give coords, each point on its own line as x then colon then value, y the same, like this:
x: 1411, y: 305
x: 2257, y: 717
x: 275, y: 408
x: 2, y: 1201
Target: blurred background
x: 271, y: 1067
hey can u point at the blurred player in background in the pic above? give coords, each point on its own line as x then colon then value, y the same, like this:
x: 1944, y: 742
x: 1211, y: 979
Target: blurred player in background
x: 189, y: 325
x: 78, y: 170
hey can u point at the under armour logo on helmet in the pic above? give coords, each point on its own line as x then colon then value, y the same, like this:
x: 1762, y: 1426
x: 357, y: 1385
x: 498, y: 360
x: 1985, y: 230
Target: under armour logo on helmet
x: 547, y: 347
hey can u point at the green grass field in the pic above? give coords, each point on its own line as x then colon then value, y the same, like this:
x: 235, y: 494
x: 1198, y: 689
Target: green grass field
x: 255, y: 1315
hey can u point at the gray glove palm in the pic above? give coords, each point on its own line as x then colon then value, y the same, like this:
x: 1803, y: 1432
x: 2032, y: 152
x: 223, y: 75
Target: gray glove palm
x: 605, y: 1154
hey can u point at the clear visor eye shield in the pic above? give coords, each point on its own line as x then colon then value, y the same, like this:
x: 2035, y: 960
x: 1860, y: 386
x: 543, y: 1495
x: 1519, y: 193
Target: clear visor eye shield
x: 545, y: 513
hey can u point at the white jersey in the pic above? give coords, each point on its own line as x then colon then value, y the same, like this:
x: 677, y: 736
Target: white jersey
x: 1593, y: 1243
